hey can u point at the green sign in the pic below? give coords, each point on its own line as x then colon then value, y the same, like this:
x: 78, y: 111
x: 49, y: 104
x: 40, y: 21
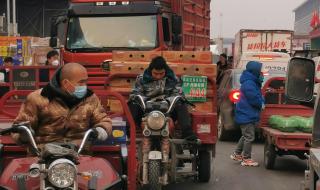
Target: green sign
x: 195, y: 88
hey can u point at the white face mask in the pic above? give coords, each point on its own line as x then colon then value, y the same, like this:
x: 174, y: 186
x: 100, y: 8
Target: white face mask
x: 55, y: 62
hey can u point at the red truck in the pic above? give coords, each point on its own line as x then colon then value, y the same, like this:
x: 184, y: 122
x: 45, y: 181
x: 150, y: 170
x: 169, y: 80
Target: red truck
x: 93, y: 29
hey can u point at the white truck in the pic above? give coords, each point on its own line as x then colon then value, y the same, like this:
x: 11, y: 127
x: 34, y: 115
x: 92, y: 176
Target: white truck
x: 271, y: 47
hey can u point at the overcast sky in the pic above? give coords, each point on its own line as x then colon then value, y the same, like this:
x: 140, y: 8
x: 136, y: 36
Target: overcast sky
x: 251, y: 14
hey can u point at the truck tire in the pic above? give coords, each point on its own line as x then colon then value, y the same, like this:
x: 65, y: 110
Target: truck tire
x: 269, y: 155
x: 204, y: 166
x: 154, y: 173
x: 223, y: 134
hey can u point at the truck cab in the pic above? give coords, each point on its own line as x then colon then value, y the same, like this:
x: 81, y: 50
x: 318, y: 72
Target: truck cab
x: 92, y: 29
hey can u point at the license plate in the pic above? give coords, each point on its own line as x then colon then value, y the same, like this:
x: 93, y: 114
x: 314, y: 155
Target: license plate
x: 204, y: 128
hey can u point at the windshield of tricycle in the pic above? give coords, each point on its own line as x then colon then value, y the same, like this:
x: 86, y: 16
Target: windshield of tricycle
x: 109, y: 33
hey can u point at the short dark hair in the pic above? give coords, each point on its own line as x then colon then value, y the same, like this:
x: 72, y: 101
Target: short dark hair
x: 158, y: 63
x: 223, y: 55
x: 8, y: 59
x: 52, y: 53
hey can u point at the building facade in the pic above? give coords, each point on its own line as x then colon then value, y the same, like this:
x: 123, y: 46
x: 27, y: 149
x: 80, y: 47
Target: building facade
x: 34, y: 16
x: 307, y: 25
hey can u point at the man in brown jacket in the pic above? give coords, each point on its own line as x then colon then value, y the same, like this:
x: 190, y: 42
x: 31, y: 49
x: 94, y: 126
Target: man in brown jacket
x: 64, y: 109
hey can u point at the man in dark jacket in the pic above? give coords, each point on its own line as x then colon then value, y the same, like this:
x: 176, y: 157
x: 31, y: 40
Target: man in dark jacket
x: 247, y: 112
x: 158, y: 79
x: 222, y: 66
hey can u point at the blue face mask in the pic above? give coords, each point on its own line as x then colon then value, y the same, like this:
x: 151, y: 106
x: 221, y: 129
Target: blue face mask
x: 80, y: 91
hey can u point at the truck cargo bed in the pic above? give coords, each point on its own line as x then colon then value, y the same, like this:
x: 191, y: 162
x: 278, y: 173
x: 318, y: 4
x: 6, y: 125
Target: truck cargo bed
x: 287, y: 141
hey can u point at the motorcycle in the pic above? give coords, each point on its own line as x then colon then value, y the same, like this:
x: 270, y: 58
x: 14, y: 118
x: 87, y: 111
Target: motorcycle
x: 157, y: 151
x: 59, y: 166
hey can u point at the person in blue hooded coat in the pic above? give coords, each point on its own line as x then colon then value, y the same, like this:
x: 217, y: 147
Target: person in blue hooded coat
x: 247, y: 111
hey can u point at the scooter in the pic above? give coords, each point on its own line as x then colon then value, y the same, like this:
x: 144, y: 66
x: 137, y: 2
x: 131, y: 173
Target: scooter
x: 157, y: 152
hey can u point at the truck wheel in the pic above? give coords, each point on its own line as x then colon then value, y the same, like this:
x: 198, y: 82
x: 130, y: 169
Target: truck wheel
x: 204, y: 166
x: 223, y: 134
x: 269, y: 155
x: 154, y: 175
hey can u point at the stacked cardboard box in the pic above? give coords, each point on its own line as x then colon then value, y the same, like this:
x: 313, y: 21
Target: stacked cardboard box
x: 19, y: 48
x: 24, y: 50
x: 181, y: 62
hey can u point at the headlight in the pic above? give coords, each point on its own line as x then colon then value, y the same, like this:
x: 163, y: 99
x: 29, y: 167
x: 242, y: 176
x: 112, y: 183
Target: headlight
x: 156, y: 120
x: 62, y: 173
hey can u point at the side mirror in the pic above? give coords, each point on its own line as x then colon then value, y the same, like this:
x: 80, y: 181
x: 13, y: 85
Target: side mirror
x: 166, y: 29
x: 176, y: 29
x: 53, y: 33
x: 300, y: 79
x: 55, y: 21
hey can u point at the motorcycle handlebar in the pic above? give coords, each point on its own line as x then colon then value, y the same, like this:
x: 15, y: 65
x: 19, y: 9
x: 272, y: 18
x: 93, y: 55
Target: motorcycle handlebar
x: 173, y: 102
x: 20, y: 128
x: 142, y: 101
x: 85, y: 138
x: 175, y: 99
x: 29, y: 133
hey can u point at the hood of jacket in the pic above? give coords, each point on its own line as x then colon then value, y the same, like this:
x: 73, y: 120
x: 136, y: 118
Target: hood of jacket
x: 254, y: 67
x: 246, y: 75
x: 53, y: 90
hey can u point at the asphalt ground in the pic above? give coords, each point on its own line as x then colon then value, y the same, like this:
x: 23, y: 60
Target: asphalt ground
x: 230, y: 175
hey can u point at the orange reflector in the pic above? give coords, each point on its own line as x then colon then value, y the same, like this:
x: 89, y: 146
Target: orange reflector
x: 86, y: 175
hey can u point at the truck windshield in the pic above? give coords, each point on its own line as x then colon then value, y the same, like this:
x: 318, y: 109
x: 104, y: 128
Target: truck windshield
x: 109, y: 33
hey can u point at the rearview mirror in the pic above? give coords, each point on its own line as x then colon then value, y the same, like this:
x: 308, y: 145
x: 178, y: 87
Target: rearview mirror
x: 55, y: 21
x: 176, y: 29
x: 300, y: 79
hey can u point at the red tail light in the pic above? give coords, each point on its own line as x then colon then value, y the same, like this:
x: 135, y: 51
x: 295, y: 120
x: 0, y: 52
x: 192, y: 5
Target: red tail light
x: 234, y: 96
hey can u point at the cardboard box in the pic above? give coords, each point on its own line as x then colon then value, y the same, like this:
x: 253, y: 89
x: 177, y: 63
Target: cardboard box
x: 40, y: 55
x: 37, y: 41
x: 190, y: 57
x: 19, y: 47
x: 28, y: 61
x: 4, y: 51
x: 122, y: 82
x: 134, y: 56
x: 123, y: 91
x: 209, y: 70
x: 128, y: 67
x: 114, y: 106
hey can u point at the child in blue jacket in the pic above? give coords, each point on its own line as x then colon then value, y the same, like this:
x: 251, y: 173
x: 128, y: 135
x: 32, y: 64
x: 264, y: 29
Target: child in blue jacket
x: 247, y: 112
